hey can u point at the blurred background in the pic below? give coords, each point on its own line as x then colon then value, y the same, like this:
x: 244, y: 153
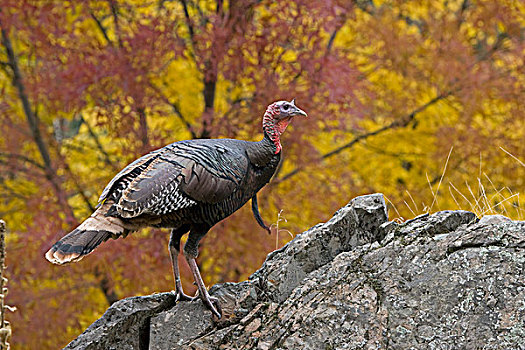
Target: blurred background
x: 419, y: 100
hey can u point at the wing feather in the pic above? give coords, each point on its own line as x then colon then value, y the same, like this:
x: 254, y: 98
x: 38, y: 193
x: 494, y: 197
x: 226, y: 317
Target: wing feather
x: 180, y: 175
x: 154, y: 191
x: 135, y: 167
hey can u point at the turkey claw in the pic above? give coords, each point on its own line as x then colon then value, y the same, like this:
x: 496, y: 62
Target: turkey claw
x: 180, y: 296
x: 213, y: 305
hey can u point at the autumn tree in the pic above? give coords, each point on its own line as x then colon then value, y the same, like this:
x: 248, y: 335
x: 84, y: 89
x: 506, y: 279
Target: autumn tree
x: 417, y: 99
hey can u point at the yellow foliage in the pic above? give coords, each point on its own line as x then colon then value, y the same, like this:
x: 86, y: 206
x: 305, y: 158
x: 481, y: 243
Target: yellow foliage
x: 437, y: 123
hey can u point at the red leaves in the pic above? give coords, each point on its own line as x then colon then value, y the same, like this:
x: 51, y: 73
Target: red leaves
x: 152, y: 73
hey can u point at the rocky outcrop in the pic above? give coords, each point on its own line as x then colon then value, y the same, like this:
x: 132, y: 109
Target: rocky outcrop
x: 440, y: 281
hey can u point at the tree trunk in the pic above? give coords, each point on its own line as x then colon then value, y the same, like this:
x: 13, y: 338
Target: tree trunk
x: 33, y: 123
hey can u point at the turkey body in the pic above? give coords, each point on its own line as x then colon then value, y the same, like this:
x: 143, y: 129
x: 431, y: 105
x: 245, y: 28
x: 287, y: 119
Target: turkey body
x: 190, y: 182
x: 187, y: 186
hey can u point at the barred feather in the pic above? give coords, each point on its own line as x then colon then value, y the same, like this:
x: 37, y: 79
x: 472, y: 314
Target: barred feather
x: 188, y: 182
x: 87, y: 236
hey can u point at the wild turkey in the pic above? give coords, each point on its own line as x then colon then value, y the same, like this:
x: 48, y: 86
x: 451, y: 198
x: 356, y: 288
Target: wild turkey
x: 186, y: 186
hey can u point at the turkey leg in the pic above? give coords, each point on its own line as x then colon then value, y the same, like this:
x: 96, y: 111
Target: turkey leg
x: 190, y: 252
x: 211, y: 302
x: 174, y: 247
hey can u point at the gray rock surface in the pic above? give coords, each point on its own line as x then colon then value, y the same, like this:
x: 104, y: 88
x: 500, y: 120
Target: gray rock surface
x: 440, y: 281
x: 125, y: 325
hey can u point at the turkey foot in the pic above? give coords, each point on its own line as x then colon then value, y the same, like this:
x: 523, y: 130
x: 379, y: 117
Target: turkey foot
x: 214, y: 306
x: 179, y: 293
x: 211, y: 303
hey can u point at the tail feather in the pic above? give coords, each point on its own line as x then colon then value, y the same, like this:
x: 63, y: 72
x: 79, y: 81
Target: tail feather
x: 86, y: 237
x: 75, y: 245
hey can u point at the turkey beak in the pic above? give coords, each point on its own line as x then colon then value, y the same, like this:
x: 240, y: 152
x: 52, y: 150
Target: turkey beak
x: 297, y: 110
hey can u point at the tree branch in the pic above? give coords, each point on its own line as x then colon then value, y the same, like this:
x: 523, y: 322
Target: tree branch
x: 189, y: 24
x: 80, y: 191
x: 105, y: 285
x: 34, y: 122
x: 143, y: 129
x: 402, y: 122
x: 101, y: 27
x: 114, y: 12
x: 333, y: 35
x: 78, y: 186
x: 233, y: 105
x: 366, y: 6
x: 178, y: 113
x: 209, y: 98
x: 8, y: 192
x: 23, y: 158
x: 188, y: 20
x: 399, y: 123
x: 95, y: 138
x: 176, y: 110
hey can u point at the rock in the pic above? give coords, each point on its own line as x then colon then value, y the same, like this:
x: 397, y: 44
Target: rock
x: 356, y: 224
x: 440, y: 281
x: 125, y: 325
x: 439, y: 223
x: 185, y: 320
x: 493, y: 219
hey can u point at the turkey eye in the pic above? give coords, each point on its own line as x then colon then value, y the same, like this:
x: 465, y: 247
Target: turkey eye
x: 286, y: 107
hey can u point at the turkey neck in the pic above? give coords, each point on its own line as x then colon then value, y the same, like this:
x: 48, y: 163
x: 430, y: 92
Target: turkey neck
x: 262, y: 153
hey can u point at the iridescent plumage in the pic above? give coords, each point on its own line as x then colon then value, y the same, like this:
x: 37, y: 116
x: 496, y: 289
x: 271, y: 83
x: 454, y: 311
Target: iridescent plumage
x: 186, y: 186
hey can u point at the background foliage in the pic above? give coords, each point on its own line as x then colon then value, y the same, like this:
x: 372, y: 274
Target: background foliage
x: 420, y: 100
